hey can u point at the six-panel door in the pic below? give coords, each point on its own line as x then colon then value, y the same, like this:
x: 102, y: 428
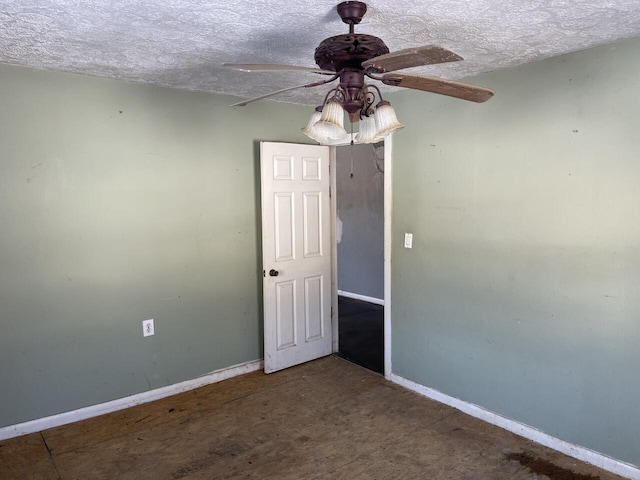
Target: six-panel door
x: 296, y: 253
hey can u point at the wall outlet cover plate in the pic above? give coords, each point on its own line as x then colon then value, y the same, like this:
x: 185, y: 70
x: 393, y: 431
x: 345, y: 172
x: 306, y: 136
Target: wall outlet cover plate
x: 148, y: 328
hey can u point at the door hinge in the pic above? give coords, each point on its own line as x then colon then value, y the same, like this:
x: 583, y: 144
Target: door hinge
x: 329, y: 192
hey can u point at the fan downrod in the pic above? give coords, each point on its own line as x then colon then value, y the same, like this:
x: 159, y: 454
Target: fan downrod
x: 351, y: 13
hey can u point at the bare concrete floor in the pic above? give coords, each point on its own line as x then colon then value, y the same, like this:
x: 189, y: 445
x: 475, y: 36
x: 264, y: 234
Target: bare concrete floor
x: 326, y: 419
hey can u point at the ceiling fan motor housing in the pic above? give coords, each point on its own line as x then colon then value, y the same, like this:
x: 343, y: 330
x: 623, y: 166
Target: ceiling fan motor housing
x: 348, y: 51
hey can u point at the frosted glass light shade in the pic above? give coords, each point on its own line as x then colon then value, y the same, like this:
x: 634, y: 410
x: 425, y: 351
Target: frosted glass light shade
x: 311, y: 130
x: 386, y: 119
x: 331, y: 135
x: 331, y: 123
x: 368, y: 131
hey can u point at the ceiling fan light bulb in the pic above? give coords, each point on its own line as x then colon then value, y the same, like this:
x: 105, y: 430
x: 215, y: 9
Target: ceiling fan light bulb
x: 386, y: 119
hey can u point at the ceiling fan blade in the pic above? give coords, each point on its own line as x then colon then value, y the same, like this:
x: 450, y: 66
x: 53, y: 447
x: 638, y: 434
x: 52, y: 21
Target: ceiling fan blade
x: 255, y: 99
x: 411, y: 57
x: 267, y: 67
x: 305, y: 85
x: 450, y: 88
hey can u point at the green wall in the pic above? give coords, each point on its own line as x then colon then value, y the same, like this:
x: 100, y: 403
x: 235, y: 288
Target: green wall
x: 522, y: 291
x: 121, y: 202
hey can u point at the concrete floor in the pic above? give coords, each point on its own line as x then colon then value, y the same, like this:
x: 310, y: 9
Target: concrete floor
x: 327, y: 419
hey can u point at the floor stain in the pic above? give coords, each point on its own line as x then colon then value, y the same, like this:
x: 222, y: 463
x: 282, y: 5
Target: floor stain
x: 543, y: 467
x: 216, y: 453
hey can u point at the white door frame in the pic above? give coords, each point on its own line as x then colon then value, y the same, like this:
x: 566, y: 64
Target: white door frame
x: 387, y: 252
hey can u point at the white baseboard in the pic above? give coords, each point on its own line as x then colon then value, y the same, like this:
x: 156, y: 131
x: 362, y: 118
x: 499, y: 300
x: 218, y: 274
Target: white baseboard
x: 126, y: 402
x: 364, y: 298
x: 581, y: 453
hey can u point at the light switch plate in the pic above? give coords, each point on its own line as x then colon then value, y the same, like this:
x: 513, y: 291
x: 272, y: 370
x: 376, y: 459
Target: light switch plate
x: 408, y: 240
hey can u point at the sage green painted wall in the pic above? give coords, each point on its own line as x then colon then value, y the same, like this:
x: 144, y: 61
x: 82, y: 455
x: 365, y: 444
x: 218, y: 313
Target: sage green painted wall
x: 121, y: 202
x: 522, y: 291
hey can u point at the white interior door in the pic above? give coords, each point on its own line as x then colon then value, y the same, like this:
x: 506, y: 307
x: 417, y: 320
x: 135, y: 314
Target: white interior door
x: 296, y: 249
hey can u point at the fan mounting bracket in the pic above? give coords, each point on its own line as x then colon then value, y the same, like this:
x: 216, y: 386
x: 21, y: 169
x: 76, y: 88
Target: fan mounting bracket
x: 351, y: 12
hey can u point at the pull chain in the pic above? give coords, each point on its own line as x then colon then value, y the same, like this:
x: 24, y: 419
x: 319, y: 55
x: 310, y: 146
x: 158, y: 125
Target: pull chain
x: 351, y: 151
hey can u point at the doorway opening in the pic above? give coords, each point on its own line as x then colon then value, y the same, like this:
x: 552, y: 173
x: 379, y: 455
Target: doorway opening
x: 360, y: 235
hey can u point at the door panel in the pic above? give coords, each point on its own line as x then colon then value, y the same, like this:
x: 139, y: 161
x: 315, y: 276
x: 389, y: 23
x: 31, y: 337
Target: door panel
x: 284, y: 226
x: 311, y: 169
x: 312, y: 224
x: 286, y: 314
x: 296, y: 253
x: 313, y: 308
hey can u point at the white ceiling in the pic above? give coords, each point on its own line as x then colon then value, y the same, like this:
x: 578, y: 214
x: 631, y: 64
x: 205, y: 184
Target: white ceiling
x: 182, y: 43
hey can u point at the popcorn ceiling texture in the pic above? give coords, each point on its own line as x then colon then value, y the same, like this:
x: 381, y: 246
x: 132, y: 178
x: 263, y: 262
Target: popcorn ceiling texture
x: 181, y: 43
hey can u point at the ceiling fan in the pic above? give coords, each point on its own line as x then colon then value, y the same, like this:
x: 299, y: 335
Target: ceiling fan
x: 350, y: 58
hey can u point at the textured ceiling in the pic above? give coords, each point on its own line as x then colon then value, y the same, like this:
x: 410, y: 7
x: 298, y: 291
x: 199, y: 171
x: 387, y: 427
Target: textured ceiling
x: 182, y: 43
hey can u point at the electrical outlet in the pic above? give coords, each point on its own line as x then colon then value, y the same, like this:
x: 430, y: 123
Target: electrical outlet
x: 147, y: 327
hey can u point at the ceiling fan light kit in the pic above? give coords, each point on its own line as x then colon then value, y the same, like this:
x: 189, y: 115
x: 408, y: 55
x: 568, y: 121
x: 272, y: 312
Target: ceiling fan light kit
x: 368, y: 132
x: 331, y: 121
x: 350, y: 58
x: 386, y: 120
x: 311, y: 130
x: 326, y: 130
